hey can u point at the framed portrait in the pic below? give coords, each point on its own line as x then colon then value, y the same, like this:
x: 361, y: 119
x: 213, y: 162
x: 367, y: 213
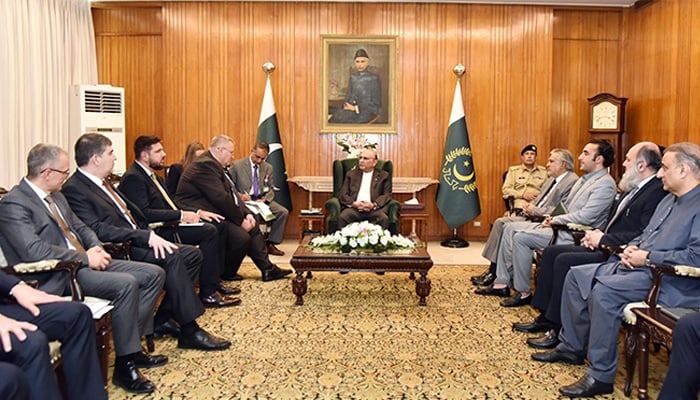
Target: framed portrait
x: 358, y: 76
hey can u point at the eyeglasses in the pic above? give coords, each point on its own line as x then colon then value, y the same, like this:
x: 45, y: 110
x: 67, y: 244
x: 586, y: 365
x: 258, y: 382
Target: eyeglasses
x: 66, y: 172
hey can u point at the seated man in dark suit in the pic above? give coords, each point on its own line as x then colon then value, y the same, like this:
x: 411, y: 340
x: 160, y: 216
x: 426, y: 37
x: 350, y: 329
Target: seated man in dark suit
x: 36, y: 224
x: 254, y: 182
x: 366, y: 192
x: 115, y: 219
x: 206, y: 185
x: 642, y: 191
x: 145, y: 189
x: 595, y: 295
x: 25, y: 330
x: 682, y: 381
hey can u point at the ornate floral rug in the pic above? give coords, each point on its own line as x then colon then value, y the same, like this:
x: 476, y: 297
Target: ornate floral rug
x: 363, y: 336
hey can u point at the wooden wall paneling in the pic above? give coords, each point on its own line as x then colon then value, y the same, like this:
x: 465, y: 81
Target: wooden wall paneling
x: 587, y: 61
x: 661, y: 52
x: 128, y: 46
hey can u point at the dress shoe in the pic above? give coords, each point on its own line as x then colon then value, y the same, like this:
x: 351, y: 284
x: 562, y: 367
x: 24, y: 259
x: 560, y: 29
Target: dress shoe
x: 128, y: 377
x: 272, y: 249
x: 216, y: 300
x: 549, y: 340
x: 488, y: 280
x: 145, y: 360
x: 536, y: 326
x: 555, y: 356
x: 481, y: 277
x: 587, y: 386
x: 234, y: 277
x: 516, y: 300
x: 490, y: 291
x: 168, y: 328
x: 275, y: 273
x: 223, y: 289
x: 202, y: 340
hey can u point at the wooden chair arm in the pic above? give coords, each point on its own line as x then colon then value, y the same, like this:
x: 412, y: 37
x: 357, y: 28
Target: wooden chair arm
x: 118, y: 250
x: 658, y: 271
x: 174, y: 225
x: 577, y: 232
x: 25, y: 270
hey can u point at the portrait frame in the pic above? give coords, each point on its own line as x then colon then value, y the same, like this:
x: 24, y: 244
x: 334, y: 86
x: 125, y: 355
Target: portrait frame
x: 337, y: 66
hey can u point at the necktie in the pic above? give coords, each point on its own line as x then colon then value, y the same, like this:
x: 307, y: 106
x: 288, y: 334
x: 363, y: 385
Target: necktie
x: 546, y: 193
x: 64, y: 226
x: 232, y: 187
x: 256, y: 190
x: 162, y: 190
x: 120, y: 203
x: 621, y: 206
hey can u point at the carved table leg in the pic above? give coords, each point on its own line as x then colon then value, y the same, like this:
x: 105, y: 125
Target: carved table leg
x: 299, y: 288
x: 631, y: 335
x: 423, y: 287
x: 643, y: 351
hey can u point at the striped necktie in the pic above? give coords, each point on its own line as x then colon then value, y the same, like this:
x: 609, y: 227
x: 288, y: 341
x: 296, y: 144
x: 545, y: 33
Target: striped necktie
x: 72, y: 238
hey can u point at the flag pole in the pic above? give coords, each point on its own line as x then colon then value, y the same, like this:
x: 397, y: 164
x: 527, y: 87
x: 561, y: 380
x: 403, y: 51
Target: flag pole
x: 455, y: 241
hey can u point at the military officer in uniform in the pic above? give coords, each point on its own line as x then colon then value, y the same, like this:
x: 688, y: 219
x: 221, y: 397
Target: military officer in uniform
x: 524, y: 181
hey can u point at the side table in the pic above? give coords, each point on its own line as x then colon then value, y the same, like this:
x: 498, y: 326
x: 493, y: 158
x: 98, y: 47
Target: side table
x: 418, y: 218
x: 307, y: 221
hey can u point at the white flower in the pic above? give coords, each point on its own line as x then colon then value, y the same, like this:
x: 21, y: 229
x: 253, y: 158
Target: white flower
x: 362, y: 237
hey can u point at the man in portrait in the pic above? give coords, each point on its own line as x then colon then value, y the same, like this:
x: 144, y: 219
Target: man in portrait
x: 363, y: 100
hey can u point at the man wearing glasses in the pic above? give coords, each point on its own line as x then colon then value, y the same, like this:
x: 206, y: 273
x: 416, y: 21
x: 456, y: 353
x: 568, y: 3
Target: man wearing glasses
x: 206, y: 185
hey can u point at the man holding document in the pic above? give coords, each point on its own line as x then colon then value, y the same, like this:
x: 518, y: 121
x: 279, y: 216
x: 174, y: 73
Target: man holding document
x: 253, y: 179
x: 146, y: 189
x: 206, y: 184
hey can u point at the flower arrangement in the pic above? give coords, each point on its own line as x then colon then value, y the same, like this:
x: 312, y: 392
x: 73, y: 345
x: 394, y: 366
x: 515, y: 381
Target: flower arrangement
x: 354, y: 144
x: 362, y: 237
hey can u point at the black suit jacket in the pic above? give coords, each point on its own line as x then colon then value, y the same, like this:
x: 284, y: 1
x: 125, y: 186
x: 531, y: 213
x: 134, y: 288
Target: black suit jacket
x: 94, y: 207
x: 204, y: 186
x: 636, y: 214
x: 138, y: 187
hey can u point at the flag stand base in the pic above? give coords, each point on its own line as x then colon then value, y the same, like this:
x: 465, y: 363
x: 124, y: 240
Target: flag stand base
x: 455, y: 241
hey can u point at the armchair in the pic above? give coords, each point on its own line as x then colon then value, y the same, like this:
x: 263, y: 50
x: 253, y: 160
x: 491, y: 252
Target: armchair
x: 340, y: 168
x: 646, y: 323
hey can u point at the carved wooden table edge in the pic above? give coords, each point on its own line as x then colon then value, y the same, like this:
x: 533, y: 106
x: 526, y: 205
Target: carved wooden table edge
x: 304, y: 260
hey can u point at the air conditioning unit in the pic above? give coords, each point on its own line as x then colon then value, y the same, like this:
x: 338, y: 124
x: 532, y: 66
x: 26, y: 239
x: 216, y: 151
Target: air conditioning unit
x: 99, y: 109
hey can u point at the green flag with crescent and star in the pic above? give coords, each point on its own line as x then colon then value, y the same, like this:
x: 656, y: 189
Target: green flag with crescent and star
x: 269, y: 132
x: 458, y: 195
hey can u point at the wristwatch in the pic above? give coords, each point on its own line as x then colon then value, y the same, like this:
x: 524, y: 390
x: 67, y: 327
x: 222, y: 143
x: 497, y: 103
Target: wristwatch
x: 647, y: 262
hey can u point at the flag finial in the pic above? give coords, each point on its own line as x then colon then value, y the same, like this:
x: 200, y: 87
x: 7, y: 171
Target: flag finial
x: 268, y: 67
x: 459, y: 70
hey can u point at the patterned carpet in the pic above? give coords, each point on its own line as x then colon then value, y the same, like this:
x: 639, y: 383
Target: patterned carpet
x: 363, y: 336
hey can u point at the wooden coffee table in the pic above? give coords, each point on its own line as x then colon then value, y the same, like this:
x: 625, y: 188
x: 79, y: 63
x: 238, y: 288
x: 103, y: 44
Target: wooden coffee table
x: 305, y: 260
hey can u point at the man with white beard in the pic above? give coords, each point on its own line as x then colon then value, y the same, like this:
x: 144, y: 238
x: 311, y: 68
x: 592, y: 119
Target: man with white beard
x: 641, y: 191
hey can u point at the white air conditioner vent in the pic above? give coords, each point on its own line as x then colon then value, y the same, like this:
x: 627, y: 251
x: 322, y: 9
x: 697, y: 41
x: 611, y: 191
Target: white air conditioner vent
x: 103, y: 102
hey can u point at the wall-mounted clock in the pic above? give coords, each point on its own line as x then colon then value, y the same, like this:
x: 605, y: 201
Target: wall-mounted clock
x: 607, y: 113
